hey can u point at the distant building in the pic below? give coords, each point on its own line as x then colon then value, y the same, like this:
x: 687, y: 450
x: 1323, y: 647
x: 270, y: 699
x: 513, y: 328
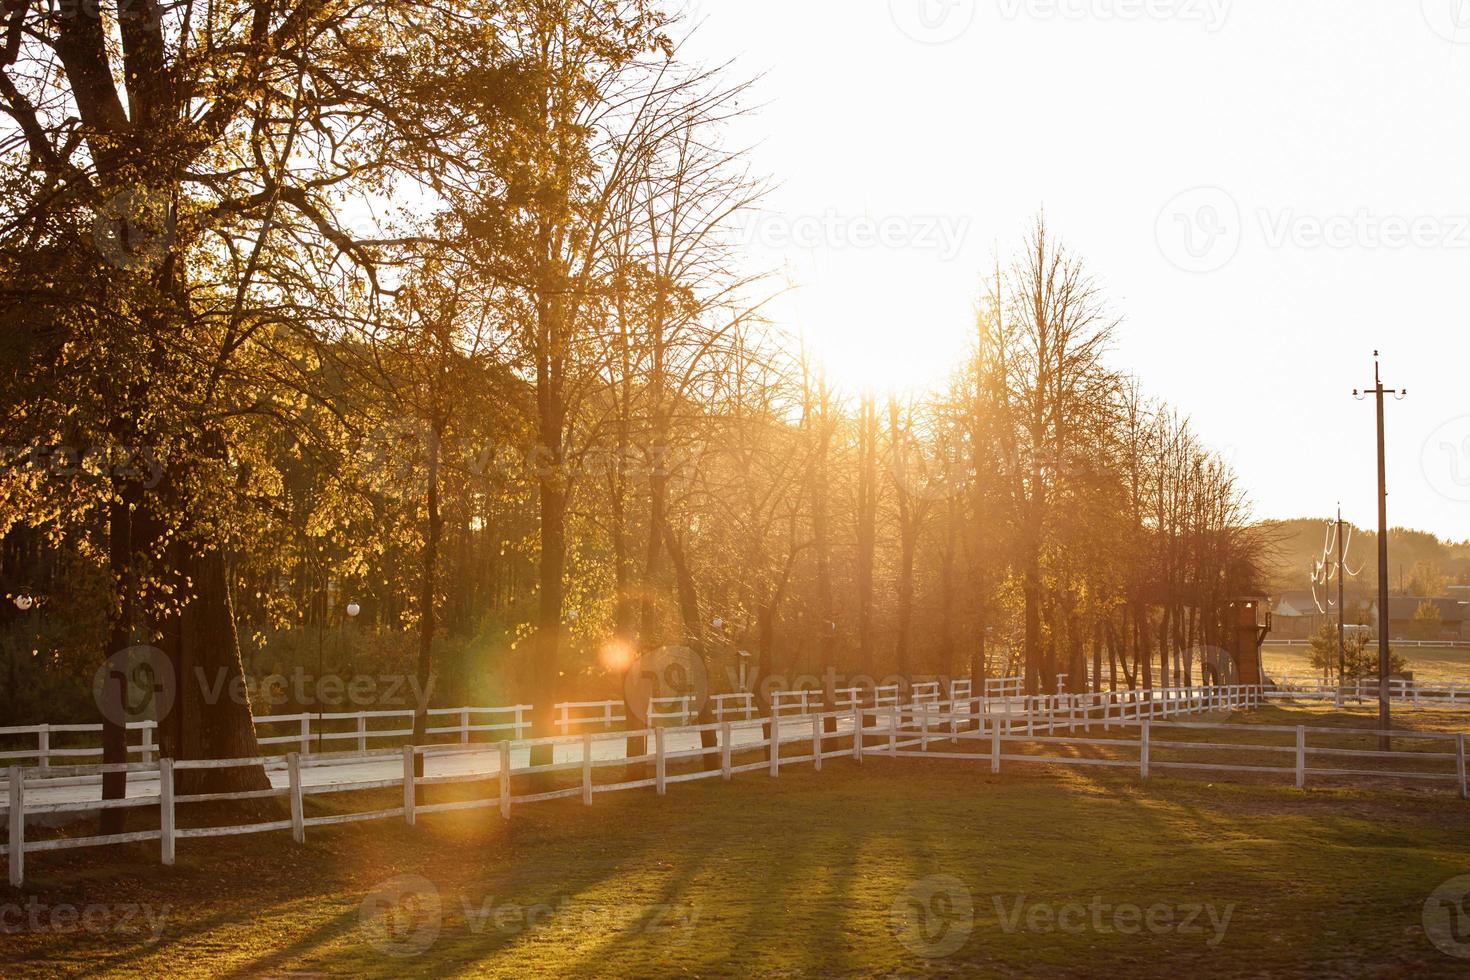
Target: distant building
x: 1295, y: 616
x: 1454, y: 617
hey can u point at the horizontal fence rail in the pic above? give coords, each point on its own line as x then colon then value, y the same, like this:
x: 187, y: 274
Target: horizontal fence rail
x: 1412, y: 692
x: 1131, y: 730
x: 313, y: 733
x: 344, y: 728
x: 1272, y: 641
x: 883, y: 728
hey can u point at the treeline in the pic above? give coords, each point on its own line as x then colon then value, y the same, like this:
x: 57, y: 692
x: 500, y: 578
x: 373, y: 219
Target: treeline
x: 439, y: 312
x: 1420, y: 563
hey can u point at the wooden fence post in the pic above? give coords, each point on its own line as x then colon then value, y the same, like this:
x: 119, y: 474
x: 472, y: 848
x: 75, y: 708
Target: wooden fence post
x: 817, y: 742
x: 166, y: 817
x: 17, y: 826
x: 43, y: 748
x: 306, y: 734
x: 924, y: 731
x: 361, y: 732
x: 1301, y: 756
x: 298, y: 803
x: 893, y: 729
x: 725, y: 750
x: 464, y: 726
x: 587, y: 768
x: 1143, y: 751
x: 505, y: 778
x: 408, y: 787
x: 659, y: 762
x: 857, y: 731
x: 775, y: 743
x: 148, y: 741
x: 994, y: 744
x: 1460, y: 762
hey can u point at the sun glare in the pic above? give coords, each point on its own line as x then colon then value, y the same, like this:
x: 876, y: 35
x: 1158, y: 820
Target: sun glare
x: 863, y: 340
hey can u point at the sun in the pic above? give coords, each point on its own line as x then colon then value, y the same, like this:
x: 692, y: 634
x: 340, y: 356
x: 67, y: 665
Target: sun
x: 875, y: 338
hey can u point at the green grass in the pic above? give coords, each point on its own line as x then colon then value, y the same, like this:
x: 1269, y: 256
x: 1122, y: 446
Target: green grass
x: 799, y: 876
x: 1433, y: 664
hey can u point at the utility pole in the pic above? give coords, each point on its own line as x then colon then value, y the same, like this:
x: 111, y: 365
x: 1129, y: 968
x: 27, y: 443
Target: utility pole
x: 1383, y: 618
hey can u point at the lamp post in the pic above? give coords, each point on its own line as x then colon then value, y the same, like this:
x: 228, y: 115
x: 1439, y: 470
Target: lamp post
x: 352, y: 610
x: 25, y: 602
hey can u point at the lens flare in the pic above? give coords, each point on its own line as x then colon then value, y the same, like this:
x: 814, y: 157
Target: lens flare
x: 616, y: 655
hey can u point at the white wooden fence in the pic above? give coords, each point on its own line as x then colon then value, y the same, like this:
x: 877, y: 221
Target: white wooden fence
x: 910, y: 731
x: 1272, y: 641
x: 1412, y: 692
x: 1000, y: 687
x: 306, y: 730
x: 898, y: 729
x: 1148, y: 745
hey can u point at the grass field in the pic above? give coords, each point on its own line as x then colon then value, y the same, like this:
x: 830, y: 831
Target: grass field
x: 1433, y: 664
x: 894, y: 867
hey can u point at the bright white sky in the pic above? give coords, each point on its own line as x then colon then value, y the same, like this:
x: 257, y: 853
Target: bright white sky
x: 940, y: 127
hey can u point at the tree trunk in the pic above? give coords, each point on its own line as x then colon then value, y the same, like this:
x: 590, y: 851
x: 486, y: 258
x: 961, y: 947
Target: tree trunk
x: 426, y: 602
x: 1031, y: 588
x: 210, y: 720
x: 120, y: 559
x: 867, y: 532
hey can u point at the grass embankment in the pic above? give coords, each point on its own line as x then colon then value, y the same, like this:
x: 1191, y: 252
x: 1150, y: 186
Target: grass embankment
x: 894, y: 867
